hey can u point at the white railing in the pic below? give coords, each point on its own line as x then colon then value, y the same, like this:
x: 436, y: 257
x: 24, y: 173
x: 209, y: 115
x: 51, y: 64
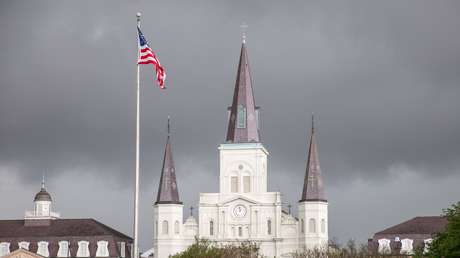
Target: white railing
x: 31, y: 215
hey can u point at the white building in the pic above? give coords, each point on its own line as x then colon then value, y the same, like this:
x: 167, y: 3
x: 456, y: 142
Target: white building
x: 243, y: 209
x: 44, y: 233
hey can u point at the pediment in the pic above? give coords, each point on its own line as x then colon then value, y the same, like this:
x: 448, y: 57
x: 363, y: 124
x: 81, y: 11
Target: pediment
x: 239, y: 198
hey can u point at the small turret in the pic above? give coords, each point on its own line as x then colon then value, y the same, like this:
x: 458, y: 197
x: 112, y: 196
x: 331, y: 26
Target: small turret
x: 168, y: 237
x: 167, y: 191
x: 313, y: 188
x: 313, y: 206
x: 42, y: 213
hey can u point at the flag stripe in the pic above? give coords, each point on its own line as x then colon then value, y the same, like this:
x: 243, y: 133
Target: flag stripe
x: 147, y: 56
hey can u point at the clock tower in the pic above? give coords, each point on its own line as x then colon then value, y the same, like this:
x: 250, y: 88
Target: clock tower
x: 243, y: 209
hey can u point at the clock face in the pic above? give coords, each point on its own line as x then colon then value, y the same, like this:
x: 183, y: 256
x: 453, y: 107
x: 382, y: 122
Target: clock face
x: 239, y: 211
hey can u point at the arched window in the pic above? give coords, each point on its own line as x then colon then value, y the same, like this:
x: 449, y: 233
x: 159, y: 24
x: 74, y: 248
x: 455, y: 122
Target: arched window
x: 176, y: 227
x: 246, y: 184
x: 211, y: 228
x: 156, y: 228
x: 234, y: 184
x: 4, y: 248
x: 83, y: 249
x: 102, y: 249
x: 24, y: 245
x: 269, y: 226
x: 43, y: 249
x: 302, y: 226
x: 312, y: 225
x: 323, y: 226
x: 164, y: 229
x: 63, y: 250
x: 240, y: 231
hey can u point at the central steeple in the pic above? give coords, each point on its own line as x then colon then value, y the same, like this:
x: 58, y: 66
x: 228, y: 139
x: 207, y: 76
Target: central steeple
x: 243, y: 119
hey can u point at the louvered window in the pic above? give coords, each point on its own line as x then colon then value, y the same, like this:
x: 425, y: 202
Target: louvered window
x: 241, y: 117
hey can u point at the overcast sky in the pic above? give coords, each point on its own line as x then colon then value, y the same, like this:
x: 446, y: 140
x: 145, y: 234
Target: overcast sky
x: 382, y: 77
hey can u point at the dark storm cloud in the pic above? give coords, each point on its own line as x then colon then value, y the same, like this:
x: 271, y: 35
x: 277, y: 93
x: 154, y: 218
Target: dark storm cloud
x: 382, y: 78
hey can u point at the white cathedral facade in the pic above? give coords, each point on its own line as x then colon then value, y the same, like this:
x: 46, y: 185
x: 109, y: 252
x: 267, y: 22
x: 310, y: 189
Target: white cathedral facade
x: 243, y: 209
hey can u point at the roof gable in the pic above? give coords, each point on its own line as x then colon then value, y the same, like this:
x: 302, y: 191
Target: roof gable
x: 418, y: 225
x: 22, y: 253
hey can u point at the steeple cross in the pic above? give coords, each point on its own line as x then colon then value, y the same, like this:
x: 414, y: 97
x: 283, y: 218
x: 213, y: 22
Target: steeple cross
x: 43, y: 181
x: 244, y: 28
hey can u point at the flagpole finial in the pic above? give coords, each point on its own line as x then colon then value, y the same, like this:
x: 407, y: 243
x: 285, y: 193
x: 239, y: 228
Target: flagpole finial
x: 138, y: 15
x: 244, y: 28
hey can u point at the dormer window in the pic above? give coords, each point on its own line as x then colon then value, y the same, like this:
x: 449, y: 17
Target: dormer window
x: 241, y: 117
x: 122, y: 249
x: 4, y: 248
x: 384, y: 246
x: 102, y: 249
x: 24, y: 245
x: 43, y: 249
x: 406, y: 246
x: 63, y: 250
x: 83, y: 249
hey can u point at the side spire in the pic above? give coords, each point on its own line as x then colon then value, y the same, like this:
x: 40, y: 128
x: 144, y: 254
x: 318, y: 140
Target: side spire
x: 243, y: 124
x: 167, y: 191
x: 313, y: 188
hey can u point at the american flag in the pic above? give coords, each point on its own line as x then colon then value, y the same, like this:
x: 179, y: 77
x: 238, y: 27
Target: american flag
x: 147, y: 56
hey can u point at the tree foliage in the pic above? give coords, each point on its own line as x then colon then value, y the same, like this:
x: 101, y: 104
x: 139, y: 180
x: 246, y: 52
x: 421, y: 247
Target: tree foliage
x: 207, y: 249
x: 447, y: 243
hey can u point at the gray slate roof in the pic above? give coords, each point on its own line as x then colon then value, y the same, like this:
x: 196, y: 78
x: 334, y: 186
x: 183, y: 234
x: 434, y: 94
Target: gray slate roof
x: 418, y: 225
x: 313, y: 188
x: 58, y: 228
x: 243, y: 98
x: 167, y: 191
x: 72, y: 230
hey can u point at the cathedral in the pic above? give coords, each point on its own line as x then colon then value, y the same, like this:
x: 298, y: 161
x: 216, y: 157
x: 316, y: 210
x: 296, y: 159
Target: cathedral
x: 243, y: 209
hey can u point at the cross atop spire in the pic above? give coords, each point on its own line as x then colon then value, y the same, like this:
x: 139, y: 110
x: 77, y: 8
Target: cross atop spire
x: 243, y: 119
x: 43, y: 181
x: 244, y: 28
x: 167, y: 191
x: 313, y: 189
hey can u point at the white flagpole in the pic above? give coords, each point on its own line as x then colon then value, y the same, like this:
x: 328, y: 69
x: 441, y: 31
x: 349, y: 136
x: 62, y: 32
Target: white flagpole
x: 136, y: 186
